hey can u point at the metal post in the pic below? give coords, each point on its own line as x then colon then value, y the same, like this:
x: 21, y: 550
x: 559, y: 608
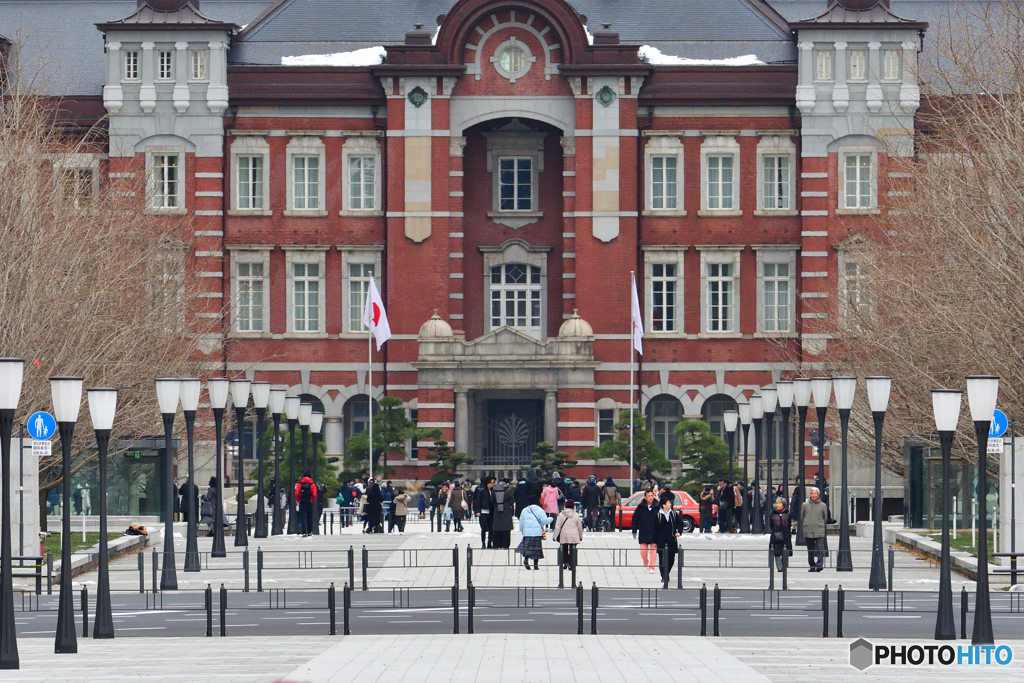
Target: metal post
x: 351, y: 567
x: 877, y: 579
x: 756, y: 511
x: 787, y: 452
x: 892, y: 560
x: 745, y: 510
x: 330, y: 608
x: 593, y: 609
x: 771, y: 570
x: 469, y: 607
x: 259, y: 570
x: 168, y: 572
x: 840, y: 604
x: 142, y: 572
x: 455, y: 564
x: 276, y: 528
x: 703, y: 609
x: 245, y: 568
x: 293, y: 421
x: 824, y: 611
x: 561, y: 568
x: 981, y: 634
x: 103, y: 626
x: 1013, y: 494
x: 785, y: 569
x: 366, y: 561
x: 156, y: 584
x: 85, y: 611
x: 455, y: 609
x: 261, y: 506
x: 469, y: 564
x: 579, y: 609
x: 241, y: 526
x: 769, y: 451
x: 192, y: 501
x: 346, y: 606
x: 49, y: 573
x: 574, y: 554
x: 730, y: 438
x: 844, y: 559
x: 963, y: 613
x: 679, y: 568
x: 718, y: 609
x: 208, y: 603
x: 218, y: 549
x: 802, y: 413
x: 66, y: 641
x: 223, y: 610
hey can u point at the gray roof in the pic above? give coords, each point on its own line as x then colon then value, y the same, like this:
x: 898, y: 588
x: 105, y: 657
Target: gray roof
x: 62, y: 47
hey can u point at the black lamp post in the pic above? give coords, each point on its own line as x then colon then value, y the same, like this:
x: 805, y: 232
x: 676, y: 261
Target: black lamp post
x: 946, y: 405
x: 878, y: 399
x: 291, y: 408
x: 770, y: 400
x: 756, y: 516
x: 802, y: 398
x: 218, y: 388
x: 190, y: 390
x: 316, y: 423
x: 744, y: 411
x: 102, y: 407
x: 785, y: 390
x: 305, y: 415
x: 982, y: 392
x: 11, y: 373
x: 846, y: 389
x: 276, y: 408
x: 731, y: 419
x: 260, y: 399
x: 167, y: 393
x: 821, y: 389
x: 240, y: 397
x: 67, y: 399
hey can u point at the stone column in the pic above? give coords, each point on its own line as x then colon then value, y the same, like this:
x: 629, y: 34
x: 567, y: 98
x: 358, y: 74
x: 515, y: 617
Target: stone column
x: 551, y: 416
x: 147, y: 91
x: 181, y: 76
x: 805, y: 90
x: 217, y: 71
x: 840, y: 92
x: 333, y: 436
x: 875, y: 66
x: 910, y: 92
x: 461, y: 420
x: 113, y: 96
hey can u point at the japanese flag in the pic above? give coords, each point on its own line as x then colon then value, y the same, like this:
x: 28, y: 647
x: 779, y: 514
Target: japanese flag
x: 638, y: 322
x: 375, y: 317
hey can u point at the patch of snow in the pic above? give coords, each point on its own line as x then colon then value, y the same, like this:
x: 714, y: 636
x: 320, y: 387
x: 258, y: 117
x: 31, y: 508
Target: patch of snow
x: 590, y: 36
x: 367, y: 56
x: 433, y: 38
x: 652, y: 55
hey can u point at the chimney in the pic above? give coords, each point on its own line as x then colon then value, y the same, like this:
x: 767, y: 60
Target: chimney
x: 606, y: 36
x: 418, y: 36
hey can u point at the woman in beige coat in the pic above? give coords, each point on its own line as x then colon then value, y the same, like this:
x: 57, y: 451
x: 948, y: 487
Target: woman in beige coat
x: 401, y: 504
x: 568, y: 532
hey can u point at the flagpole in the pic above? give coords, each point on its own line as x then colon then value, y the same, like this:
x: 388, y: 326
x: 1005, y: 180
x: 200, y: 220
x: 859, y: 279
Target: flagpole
x: 369, y: 394
x: 632, y: 357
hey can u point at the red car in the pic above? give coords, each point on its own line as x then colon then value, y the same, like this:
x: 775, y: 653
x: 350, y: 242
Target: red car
x: 684, y: 503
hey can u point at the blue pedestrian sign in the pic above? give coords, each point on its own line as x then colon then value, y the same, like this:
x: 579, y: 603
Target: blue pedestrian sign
x: 999, y: 425
x: 42, y: 426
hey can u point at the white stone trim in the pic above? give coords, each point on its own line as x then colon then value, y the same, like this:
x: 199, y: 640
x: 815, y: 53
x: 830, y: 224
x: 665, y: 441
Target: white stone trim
x: 776, y: 145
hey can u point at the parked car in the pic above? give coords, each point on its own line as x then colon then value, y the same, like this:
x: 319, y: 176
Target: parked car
x: 684, y: 503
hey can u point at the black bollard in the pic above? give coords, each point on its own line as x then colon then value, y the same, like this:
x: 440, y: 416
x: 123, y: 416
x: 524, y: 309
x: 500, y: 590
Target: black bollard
x: 703, y: 609
x: 259, y: 569
x: 840, y: 604
x: 963, y: 613
x: 579, y: 609
x: 346, y: 599
x: 824, y: 611
x: 455, y: 609
x: 593, y: 610
x: 223, y: 610
x: 208, y: 599
x: 330, y: 608
x: 351, y: 567
x: 718, y: 609
x: 85, y: 611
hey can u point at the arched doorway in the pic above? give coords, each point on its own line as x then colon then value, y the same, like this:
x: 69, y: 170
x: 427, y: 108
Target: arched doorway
x: 664, y: 413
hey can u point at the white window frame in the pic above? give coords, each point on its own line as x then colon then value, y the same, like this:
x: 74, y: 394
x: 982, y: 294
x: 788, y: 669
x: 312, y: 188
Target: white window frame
x: 352, y: 254
x: 777, y: 255
x: 872, y: 207
x: 151, y: 184
x: 160, y: 77
x: 720, y: 255
x: 663, y: 254
x: 603, y: 404
x: 858, y: 73
x: 516, y: 251
x: 510, y: 141
x: 198, y: 65
x: 776, y: 146
x: 664, y: 146
x: 306, y: 145
x: 131, y: 58
x: 824, y: 63
x: 892, y: 63
x: 250, y: 146
x: 73, y: 163
x: 850, y: 255
x: 360, y: 146
x: 720, y: 146
x: 306, y: 254
x: 250, y: 254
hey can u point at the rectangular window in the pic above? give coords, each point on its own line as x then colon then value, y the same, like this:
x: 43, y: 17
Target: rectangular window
x: 516, y: 297
x: 306, y: 182
x: 605, y: 426
x: 720, y: 181
x: 515, y: 184
x: 891, y: 64
x: 359, y: 275
x: 131, y: 65
x: 855, y: 297
x: 776, y: 283
x: 249, y: 315
x: 250, y: 182
x: 663, y: 297
x: 663, y: 182
x: 858, y: 65
x: 306, y: 297
x: 362, y: 182
x: 79, y: 184
x: 165, y: 65
x: 721, y: 289
x: 776, y: 182
x: 166, y: 178
x: 858, y: 181
x: 823, y: 62
x: 199, y: 65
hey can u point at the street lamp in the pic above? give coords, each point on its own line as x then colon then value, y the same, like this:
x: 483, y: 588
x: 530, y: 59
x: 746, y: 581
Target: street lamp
x: 878, y: 399
x: 802, y: 399
x: 260, y: 399
x: 731, y: 418
x: 770, y: 398
x: 785, y: 390
x: 67, y: 399
x: 744, y: 411
x: 240, y: 397
x: 305, y: 415
x: 946, y: 405
x: 291, y: 409
x: 982, y: 392
x: 821, y: 389
x: 12, y: 371
x: 168, y: 392
x: 218, y: 388
x: 276, y: 408
x: 316, y: 423
x: 846, y: 389
x: 757, y: 413
x: 102, y: 407
x: 190, y: 390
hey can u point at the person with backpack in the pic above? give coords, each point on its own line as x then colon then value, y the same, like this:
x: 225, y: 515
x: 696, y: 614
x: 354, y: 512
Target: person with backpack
x: 669, y: 527
x: 501, y: 525
x: 724, y: 498
x: 549, y: 499
x: 399, y: 511
x: 782, y: 535
x: 421, y: 505
x: 612, y: 499
x: 590, y: 496
x: 568, y: 532
x: 737, y: 506
x: 706, y: 507
x: 305, y: 493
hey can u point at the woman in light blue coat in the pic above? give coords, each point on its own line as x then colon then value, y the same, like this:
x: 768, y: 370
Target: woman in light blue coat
x: 532, y: 521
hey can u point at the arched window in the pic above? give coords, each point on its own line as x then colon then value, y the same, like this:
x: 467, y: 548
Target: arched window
x: 712, y: 412
x: 516, y: 297
x: 357, y: 415
x: 663, y: 414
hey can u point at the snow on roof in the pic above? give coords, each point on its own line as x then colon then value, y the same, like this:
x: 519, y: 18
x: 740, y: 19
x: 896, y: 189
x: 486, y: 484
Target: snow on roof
x: 367, y: 56
x: 652, y: 55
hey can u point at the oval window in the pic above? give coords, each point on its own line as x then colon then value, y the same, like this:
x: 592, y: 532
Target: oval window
x: 512, y: 59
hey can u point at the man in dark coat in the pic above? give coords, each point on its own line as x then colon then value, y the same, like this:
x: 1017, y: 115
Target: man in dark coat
x: 645, y: 530
x: 189, y: 493
x: 374, y: 509
x: 724, y: 498
x: 521, y: 497
x: 590, y: 496
x: 483, y: 503
x: 668, y: 528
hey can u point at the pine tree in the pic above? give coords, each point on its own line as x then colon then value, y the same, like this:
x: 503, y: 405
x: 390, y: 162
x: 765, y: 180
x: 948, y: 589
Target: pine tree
x: 705, y: 457
x: 549, y: 461
x: 648, y: 459
x: 325, y: 472
x: 446, y: 462
x: 391, y: 430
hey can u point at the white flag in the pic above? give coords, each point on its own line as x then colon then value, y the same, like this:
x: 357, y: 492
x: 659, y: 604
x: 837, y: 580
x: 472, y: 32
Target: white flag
x: 375, y: 317
x: 638, y: 322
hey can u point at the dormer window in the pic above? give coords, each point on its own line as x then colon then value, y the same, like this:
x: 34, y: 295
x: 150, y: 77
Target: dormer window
x: 858, y: 64
x: 515, y: 159
x: 165, y: 65
x: 515, y: 184
x: 199, y: 65
x: 823, y: 64
x: 131, y: 65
